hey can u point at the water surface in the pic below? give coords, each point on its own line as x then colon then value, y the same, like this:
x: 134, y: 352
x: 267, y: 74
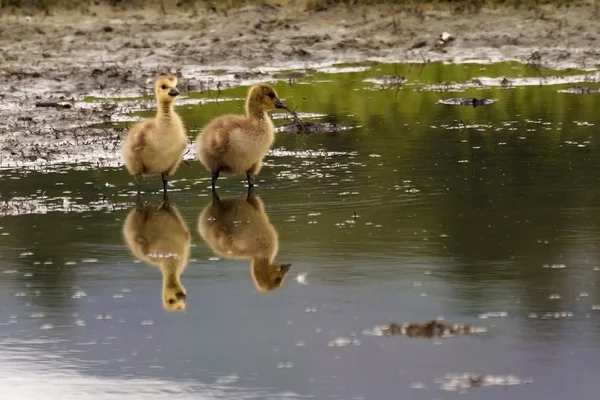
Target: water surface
x: 486, y: 216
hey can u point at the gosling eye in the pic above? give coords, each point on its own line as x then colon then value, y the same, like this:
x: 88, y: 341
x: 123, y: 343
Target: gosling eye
x: 277, y: 280
x: 171, y: 301
x: 164, y: 87
x: 271, y: 95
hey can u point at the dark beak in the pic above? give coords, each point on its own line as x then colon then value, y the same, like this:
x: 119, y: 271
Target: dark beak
x: 279, y: 104
x: 173, y: 92
x: 180, y: 295
x: 285, y: 268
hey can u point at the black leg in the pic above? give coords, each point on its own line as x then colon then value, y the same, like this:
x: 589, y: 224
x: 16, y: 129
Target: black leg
x: 165, y: 181
x: 215, y: 176
x: 250, y: 178
x: 165, y: 204
x: 138, y: 182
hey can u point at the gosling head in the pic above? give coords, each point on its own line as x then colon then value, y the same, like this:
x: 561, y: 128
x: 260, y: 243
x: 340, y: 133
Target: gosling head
x: 166, y: 89
x: 268, y: 277
x: 174, y: 298
x: 264, y: 97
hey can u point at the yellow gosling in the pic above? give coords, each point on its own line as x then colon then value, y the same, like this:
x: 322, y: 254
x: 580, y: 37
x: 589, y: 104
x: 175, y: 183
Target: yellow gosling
x: 237, y: 144
x: 156, y: 146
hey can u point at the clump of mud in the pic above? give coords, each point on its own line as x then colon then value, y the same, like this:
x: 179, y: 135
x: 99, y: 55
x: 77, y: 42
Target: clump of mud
x: 581, y: 90
x: 430, y: 329
x: 299, y: 127
x: 467, y: 101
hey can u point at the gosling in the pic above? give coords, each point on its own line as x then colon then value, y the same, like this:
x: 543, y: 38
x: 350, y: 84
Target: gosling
x: 239, y: 229
x: 161, y: 238
x: 155, y: 146
x: 236, y: 144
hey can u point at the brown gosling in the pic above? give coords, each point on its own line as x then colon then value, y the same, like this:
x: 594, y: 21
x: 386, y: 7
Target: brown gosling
x: 236, y: 144
x: 160, y: 237
x: 239, y: 229
x: 155, y: 146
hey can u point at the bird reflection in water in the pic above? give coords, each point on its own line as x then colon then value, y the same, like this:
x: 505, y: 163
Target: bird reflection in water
x: 160, y: 237
x: 239, y: 229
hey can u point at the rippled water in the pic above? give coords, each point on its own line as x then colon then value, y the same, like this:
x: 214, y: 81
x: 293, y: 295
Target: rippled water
x: 485, y: 216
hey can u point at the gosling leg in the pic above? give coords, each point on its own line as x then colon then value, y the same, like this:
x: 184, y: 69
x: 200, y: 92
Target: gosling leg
x: 250, y: 178
x: 138, y: 182
x: 215, y: 176
x: 165, y: 181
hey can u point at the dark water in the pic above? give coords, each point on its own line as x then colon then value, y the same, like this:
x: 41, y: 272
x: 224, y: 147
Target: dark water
x: 406, y: 217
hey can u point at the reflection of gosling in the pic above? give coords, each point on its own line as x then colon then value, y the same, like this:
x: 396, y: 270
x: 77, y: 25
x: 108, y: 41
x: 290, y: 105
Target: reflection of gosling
x: 155, y: 146
x: 238, y: 228
x: 236, y: 144
x: 159, y: 237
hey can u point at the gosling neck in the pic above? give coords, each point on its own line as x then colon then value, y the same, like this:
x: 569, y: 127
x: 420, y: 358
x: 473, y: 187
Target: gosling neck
x: 165, y: 110
x: 256, y: 112
x: 170, y: 275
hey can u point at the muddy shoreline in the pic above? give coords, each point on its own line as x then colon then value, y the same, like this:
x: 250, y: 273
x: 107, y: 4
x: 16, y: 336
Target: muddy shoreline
x: 66, y: 57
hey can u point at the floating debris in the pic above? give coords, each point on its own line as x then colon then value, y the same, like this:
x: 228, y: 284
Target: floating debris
x: 388, y: 81
x: 467, y: 101
x: 455, y: 382
x: 78, y: 294
x: 342, y: 341
x: 301, y: 127
x: 298, y: 126
x: 282, y: 365
x: 552, y: 315
x: 417, y: 385
x: 429, y: 329
x: 43, y: 205
x: 580, y: 90
x: 493, y: 314
x: 554, y: 266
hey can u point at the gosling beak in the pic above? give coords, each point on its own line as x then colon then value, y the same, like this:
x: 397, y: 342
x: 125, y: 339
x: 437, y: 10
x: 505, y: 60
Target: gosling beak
x: 180, y: 296
x: 279, y: 104
x: 173, y: 92
x: 285, y: 268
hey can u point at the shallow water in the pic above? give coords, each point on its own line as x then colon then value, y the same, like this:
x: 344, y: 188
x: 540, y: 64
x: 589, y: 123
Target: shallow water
x: 486, y: 216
